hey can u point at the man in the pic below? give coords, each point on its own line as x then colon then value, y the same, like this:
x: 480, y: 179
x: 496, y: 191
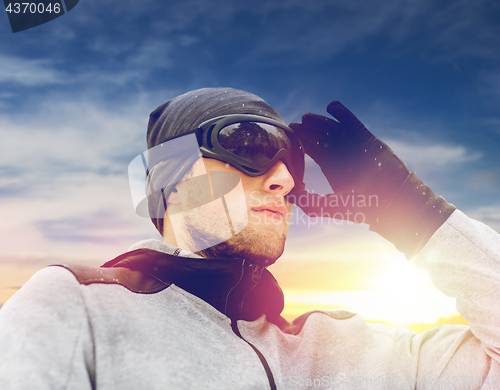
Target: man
x: 200, y: 310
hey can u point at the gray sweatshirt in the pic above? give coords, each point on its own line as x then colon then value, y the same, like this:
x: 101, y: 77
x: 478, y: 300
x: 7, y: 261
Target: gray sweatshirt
x: 61, y: 332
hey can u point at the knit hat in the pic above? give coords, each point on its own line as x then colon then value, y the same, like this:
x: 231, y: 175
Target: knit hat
x: 179, y: 115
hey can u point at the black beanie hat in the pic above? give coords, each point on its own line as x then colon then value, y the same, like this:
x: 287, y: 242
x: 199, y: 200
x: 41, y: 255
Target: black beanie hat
x: 186, y: 112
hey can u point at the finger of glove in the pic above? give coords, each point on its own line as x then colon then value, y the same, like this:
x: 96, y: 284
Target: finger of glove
x: 313, y: 140
x: 329, y: 145
x: 349, y: 120
x: 321, y: 123
x: 300, y: 131
x: 304, y: 135
x: 321, y: 131
x: 309, y: 133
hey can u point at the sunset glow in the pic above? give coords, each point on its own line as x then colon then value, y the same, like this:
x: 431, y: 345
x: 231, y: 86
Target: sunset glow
x: 397, y: 303
x: 380, y: 285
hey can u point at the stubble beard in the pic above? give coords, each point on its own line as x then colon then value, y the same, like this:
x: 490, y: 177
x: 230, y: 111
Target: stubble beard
x: 263, y: 247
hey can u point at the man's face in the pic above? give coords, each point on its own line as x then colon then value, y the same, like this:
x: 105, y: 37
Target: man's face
x: 266, y: 210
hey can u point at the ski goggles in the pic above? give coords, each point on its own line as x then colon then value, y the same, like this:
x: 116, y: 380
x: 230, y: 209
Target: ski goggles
x: 252, y: 144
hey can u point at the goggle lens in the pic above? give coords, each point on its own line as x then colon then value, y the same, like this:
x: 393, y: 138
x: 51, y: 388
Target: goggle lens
x: 257, y: 143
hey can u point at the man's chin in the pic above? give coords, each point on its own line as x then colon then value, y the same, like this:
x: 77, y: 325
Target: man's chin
x: 261, y: 246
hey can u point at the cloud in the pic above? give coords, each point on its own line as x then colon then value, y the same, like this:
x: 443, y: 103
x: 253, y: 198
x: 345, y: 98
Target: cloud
x: 423, y: 143
x: 28, y: 72
x: 71, y: 137
x: 432, y: 157
x: 89, y: 217
x: 447, y: 31
x: 317, y: 29
x: 136, y: 40
x: 297, y: 31
x: 490, y: 215
x: 153, y: 53
x: 488, y: 87
x: 64, y: 189
x: 486, y: 180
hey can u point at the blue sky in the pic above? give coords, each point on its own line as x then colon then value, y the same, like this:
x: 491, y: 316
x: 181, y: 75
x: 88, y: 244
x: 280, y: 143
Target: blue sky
x: 75, y: 95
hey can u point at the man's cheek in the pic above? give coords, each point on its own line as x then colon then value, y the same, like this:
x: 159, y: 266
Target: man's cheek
x: 236, y: 208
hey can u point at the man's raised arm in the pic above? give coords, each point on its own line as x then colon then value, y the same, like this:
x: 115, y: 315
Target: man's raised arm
x: 462, y: 255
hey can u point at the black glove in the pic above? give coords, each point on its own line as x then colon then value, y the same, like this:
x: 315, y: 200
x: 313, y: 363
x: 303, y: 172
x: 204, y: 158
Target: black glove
x: 353, y: 160
x: 356, y: 163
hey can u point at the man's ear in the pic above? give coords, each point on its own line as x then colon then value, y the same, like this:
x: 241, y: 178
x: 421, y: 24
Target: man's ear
x: 174, y: 197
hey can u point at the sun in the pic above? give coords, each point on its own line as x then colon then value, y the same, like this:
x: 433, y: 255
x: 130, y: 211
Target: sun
x: 405, y: 295
x: 384, y: 287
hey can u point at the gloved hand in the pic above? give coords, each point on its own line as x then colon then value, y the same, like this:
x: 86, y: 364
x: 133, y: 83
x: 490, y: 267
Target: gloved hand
x: 356, y: 163
x: 352, y: 159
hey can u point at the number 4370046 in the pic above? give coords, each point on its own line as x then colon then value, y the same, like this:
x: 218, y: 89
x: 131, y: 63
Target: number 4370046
x: 33, y: 8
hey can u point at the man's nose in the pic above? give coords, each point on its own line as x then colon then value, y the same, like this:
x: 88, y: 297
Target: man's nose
x: 278, y: 179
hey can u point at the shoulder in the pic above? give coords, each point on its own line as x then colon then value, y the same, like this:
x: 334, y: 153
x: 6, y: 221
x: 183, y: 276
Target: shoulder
x: 52, y: 293
x: 62, y: 283
x: 48, y: 281
x: 134, y: 280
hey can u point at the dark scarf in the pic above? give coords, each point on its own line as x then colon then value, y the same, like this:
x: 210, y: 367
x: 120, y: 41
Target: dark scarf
x: 238, y: 288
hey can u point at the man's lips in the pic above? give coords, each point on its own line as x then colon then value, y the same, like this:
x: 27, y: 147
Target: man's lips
x: 272, y: 208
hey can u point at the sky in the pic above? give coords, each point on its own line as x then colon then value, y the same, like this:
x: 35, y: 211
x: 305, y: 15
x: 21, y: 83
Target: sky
x: 76, y: 93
